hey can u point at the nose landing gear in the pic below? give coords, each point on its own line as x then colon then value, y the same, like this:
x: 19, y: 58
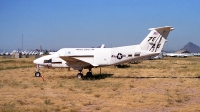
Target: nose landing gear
x: 37, y: 73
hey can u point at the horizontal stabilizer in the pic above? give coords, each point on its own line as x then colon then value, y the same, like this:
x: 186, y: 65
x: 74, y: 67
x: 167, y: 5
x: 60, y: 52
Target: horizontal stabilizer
x: 159, y: 28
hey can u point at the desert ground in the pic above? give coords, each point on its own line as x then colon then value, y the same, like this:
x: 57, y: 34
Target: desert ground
x: 168, y: 85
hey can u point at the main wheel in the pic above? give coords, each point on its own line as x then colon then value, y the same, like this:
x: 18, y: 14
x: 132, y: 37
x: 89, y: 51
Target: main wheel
x: 89, y: 74
x: 79, y: 75
x: 37, y: 74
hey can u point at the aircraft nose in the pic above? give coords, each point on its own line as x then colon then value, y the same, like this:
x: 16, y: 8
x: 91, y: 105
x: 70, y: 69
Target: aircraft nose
x: 36, y: 61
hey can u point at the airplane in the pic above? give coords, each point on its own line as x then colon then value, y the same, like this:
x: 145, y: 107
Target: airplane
x: 176, y: 55
x: 160, y: 56
x: 2, y: 53
x: 88, y: 58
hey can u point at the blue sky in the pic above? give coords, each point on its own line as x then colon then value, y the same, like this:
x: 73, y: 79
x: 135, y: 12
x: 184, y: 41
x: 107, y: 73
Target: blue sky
x: 56, y: 24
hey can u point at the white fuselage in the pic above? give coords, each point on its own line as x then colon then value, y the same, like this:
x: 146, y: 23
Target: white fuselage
x: 93, y: 57
x: 104, y: 56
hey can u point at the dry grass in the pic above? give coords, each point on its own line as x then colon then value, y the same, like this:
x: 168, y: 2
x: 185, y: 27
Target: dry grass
x: 171, y: 84
x: 11, y: 63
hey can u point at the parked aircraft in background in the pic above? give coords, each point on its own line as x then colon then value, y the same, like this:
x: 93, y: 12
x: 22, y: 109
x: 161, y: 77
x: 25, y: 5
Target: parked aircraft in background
x: 7, y: 53
x: 52, y: 53
x: 183, y: 55
x: 88, y: 58
x: 14, y: 51
x: 196, y: 54
x: 2, y: 53
x: 160, y: 56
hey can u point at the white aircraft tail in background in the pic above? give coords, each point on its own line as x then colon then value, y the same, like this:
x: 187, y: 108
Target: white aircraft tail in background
x: 88, y: 58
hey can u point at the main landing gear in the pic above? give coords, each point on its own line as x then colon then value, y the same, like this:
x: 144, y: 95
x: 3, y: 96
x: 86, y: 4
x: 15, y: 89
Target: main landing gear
x: 80, y: 75
x: 88, y: 74
x: 37, y: 73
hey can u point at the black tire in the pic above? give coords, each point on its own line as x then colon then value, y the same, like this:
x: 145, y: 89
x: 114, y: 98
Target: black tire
x: 89, y: 74
x: 37, y: 74
x: 79, y: 75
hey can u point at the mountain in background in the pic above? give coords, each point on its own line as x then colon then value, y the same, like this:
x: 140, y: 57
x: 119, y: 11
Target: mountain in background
x: 191, y: 48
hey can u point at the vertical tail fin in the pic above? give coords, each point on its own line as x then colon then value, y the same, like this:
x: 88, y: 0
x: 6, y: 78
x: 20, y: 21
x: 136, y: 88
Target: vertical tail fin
x: 156, y: 39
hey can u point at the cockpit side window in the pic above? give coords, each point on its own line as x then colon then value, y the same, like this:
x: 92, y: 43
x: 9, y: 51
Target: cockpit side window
x: 48, y: 61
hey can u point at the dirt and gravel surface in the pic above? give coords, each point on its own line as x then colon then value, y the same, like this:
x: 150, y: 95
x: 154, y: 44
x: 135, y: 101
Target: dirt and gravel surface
x: 168, y: 85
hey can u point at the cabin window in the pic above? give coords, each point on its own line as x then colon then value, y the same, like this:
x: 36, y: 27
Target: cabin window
x: 130, y: 55
x: 47, y: 61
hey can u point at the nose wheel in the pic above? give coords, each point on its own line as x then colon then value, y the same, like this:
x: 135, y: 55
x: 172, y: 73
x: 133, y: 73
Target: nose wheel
x: 37, y: 74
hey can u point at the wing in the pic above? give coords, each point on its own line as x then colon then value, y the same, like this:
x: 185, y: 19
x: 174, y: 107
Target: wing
x: 78, y: 62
